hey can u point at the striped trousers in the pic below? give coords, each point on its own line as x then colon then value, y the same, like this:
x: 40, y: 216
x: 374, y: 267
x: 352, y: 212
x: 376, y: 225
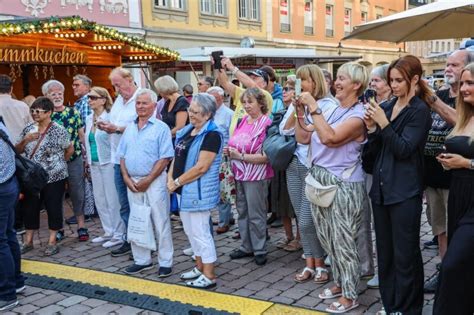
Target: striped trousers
x: 338, y: 226
x: 295, y: 175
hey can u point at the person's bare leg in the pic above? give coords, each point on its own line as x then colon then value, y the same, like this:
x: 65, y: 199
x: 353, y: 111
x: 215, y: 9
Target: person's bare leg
x: 199, y: 264
x: 52, y: 237
x: 80, y: 221
x: 28, y: 237
x: 208, y: 271
x: 287, y: 227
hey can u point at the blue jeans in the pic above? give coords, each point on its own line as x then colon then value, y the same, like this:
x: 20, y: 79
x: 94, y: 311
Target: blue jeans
x: 122, y: 195
x: 225, y: 213
x: 10, y: 268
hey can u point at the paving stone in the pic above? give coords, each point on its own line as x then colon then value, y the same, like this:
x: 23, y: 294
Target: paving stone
x: 51, y: 309
x: 256, y: 285
x: 267, y: 293
x: 282, y: 299
x: 244, y: 292
x: 294, y: 294
x: 93, y: 302
x: 308, y: 301
x: 76, y: 309
x: 282, y: 285
x: 48, y: 300
x: 75, y: 299
x: 32, y: 298
x: 127, y: 310
x: 25, y: 309
x: 104, y: 309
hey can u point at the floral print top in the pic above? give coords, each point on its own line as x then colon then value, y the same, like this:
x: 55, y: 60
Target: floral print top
x: 71, y: 120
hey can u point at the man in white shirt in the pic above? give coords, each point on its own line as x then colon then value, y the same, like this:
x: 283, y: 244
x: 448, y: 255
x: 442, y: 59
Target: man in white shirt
x: 223, y: 119
x: 122, y: 114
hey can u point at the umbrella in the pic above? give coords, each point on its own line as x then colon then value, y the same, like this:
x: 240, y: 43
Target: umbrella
x: 437, y: 20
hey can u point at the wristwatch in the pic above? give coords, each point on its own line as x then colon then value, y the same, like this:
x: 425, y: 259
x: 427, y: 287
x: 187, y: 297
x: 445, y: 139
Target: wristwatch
x: 176, y: 182
x: 235, y: 70
x: 472, y: 164
x: 117, y: 131
x: 317, y: 111
x: 432, y: 99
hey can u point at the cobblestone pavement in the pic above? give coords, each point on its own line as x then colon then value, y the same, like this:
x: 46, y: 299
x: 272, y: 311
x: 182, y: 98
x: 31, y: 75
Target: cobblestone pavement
x: 272, y: 282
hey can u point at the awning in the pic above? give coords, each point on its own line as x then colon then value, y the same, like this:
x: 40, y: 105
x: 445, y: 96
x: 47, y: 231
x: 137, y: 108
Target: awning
x: 73, y: 40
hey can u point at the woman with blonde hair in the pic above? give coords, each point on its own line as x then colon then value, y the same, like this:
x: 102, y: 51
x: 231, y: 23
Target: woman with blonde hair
x: 452, y: 296
x: 336, y: 143
x: 98, y: 150
x: 313, y: 82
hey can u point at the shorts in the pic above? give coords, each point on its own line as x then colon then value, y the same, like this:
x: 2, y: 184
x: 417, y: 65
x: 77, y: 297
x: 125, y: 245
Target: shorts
x: 436, y: 211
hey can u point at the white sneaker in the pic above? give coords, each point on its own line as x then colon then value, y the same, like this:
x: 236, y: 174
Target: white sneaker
x: 113, y: 242
x: 188, y: 251
x: 303, y: 256
x: 193, y: 257
x: 101, y: 239
x: 373, y: 283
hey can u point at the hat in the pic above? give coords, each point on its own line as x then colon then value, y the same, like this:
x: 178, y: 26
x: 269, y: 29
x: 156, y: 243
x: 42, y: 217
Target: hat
x: 259, y: 73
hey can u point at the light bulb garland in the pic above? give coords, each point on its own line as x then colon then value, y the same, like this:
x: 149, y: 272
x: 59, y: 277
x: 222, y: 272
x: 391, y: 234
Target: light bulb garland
x: 76, y: 27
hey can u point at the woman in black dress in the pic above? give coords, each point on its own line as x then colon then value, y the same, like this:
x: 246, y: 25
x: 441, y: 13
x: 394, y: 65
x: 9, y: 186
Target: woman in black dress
x: 455, y: 294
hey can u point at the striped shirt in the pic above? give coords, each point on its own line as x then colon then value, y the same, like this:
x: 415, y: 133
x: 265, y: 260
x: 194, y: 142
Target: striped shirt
x: 248, y: 139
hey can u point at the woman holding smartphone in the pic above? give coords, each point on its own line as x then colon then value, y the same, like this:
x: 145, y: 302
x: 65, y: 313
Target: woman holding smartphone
x: 397, y: 136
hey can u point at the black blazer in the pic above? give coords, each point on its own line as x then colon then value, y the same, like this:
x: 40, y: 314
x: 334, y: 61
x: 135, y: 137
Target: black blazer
x: 396, y: 153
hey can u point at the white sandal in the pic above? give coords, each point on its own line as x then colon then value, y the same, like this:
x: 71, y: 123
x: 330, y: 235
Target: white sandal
x: 202, y: 282
x: 327, y: 294
x: 319, y: 272
x: 300, y: 277
x: 193, y: 274
x: 339, y: 308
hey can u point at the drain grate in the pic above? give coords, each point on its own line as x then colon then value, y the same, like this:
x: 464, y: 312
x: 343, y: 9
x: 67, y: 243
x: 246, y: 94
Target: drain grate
x: 151, y: 303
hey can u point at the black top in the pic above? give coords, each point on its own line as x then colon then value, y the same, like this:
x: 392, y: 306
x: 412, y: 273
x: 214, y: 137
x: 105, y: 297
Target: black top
x: 211, y: 143
x: 397, y: 152
x: 435, y: 176
x: 169, y: 117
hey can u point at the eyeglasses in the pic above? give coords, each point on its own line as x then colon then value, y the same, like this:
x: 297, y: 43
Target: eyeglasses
x: 94, y: 98
x: 37, y: 111
x: 288, y: 89
x: 193, y: 111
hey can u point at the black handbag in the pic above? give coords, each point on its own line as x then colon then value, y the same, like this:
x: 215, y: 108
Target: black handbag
x: 278, y: 148
x: 31, y: 175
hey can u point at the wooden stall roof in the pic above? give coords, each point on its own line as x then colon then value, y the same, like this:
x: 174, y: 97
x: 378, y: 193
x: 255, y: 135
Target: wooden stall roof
x: 103, y: 46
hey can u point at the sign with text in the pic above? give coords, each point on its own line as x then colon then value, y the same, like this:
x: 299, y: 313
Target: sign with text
x: 41, y: 55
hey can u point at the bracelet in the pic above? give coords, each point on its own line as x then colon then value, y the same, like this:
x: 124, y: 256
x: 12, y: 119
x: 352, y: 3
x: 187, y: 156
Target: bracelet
x: 177, y: 183
x: 242, y: 156
x: 235, y: 70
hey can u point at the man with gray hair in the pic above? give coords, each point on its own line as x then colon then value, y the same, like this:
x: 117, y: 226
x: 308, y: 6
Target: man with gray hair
x: 81, y: 85
x: 223, y: 119
x: 145, y: 150
x: 436, y: 179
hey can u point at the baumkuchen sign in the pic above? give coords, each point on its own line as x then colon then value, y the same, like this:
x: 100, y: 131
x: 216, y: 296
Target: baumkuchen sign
x: 39, y: 55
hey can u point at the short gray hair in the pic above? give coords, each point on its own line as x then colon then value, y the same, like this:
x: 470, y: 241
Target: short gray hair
x: 49, y: 84
x: 85, y: 79
x: 216, y: 89
x: 150, y: 93
x: 166, y: 85
x: 206, y: 102
x: 381, y: 72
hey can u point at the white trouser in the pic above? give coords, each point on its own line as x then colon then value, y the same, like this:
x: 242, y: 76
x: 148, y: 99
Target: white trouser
x: 197, y: 228
x: 159, y: 201
x: 106, y: 199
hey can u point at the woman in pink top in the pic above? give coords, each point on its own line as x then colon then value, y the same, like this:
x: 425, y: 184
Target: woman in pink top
x: 252, y: 174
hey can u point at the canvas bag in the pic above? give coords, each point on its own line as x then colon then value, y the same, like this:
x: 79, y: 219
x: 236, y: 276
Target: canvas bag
x: 322, y: 195
x: 140, y: 227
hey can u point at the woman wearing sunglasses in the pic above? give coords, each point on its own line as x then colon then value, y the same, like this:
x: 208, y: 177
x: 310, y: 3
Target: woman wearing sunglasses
x: 48, y: 144
x: 98, y: 151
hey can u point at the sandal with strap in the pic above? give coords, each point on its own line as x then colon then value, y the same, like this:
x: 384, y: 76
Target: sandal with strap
x: 293, y: 246
x: 339, y: 308
x: 193, y: 274
x: 202, y: 282
x: 282, y: 243
x: 328, y: 294
x: 303, y: 276
x: 318, y: 277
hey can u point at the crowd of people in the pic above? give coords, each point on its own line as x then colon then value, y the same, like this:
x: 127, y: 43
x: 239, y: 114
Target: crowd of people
x: 356, y: 154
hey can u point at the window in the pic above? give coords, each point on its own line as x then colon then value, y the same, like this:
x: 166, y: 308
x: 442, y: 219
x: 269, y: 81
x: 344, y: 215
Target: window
x: 249, y: 10
x: 363, y: 17
x: 170, y: 4
x: 449, y: 46
x: 347, y: 22
x: 443, y: 46
x: 378, y: 16
x: 329, y: 21
x: 437, y: 47
x: 213, y: 7
x: 308, y: 17
x: 285, y: 25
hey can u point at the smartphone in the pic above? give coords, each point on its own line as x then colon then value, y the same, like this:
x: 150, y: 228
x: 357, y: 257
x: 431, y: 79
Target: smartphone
x: 216, y: 56
x: 298, y: 87
x: 370, y: 95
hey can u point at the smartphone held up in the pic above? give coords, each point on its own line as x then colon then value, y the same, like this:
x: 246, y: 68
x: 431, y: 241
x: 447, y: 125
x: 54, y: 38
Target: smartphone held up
x: 216, y: 56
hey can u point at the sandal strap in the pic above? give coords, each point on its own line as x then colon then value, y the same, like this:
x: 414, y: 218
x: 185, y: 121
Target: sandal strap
x: 327, y: 292
x: 306, y: 269
x: 320, y: 270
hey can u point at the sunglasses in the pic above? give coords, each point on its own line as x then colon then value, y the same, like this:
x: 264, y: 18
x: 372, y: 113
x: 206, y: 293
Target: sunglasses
x: 37, y: 111
x: 287, y: 89
x: 94, y: 98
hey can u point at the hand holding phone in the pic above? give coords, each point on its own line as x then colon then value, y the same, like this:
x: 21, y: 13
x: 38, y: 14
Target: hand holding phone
x: 216, y: 56
x: 298, y: 87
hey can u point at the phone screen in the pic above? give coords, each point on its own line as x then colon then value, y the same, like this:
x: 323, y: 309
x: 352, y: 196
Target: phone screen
x: 298, y: 87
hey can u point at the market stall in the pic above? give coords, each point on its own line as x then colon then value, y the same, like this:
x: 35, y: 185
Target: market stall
x: 34, y: 51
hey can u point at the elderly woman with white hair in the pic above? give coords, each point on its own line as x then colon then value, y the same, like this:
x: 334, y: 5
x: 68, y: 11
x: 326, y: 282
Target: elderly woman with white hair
x: 194, y: 173
x: 336, y: 145
x: 71, y: 120
x: 174, y: 111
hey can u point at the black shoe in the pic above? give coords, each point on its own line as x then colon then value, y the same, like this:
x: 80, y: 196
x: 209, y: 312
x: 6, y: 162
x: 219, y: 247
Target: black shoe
x: 237, y: 254
x: 60, y: 235
x: 134, y: 269
x: 438, y: 266
x: 232, y: 221
x: 20, y: 289
x: 20, y: 231
x: 82, y: 235
x: 433, y: 244
x: 431, y: 285
x: 8, y: 305
x: 261, y: 259
x: 122, y: 250
x: 164, y: 272
x: 277, y: 223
